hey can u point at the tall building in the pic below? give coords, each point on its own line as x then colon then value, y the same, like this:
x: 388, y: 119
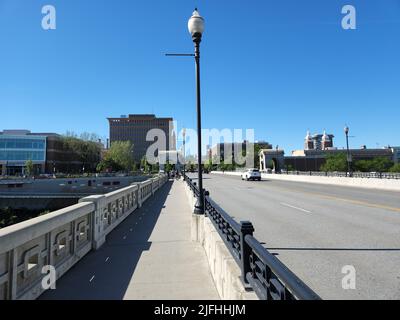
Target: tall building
x: 318, y: 141
x: 135, y: 127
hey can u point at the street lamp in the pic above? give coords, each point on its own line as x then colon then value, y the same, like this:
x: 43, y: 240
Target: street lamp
x: 184, y: 151
x: 346, y: 131
x: 196, y: 29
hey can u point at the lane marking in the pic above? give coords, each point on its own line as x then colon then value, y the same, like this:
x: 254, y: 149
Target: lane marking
x: 356, y: 202
x: 130, y: 230
x: 293, y: 207
x: 107, y: 259
x: 124, y: 237
x: 91, y: 279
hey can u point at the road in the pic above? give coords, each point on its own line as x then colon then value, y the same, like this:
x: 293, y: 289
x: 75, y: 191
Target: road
x: 317, y: 230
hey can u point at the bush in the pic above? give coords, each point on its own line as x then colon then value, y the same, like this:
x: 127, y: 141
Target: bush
x: 395, y: 168
x: 335, y: 162
x: 379, y: 164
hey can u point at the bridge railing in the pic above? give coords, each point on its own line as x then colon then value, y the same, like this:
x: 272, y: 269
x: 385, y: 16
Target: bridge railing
x: 263, y: 272
x: 61, y: 238
x: 366, y: 175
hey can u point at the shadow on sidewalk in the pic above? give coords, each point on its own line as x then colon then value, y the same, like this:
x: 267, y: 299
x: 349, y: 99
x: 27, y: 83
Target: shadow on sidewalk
x: 106, y: 273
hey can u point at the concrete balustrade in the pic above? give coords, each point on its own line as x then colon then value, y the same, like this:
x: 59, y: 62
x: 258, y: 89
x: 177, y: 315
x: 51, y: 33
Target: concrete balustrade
x: 61, y: 238
x: 225, y: 271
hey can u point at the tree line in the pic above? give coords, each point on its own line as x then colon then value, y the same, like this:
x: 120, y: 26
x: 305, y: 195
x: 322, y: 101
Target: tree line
x: 338, y: 162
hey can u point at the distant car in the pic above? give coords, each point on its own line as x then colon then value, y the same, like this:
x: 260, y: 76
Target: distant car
x: 251, y: 174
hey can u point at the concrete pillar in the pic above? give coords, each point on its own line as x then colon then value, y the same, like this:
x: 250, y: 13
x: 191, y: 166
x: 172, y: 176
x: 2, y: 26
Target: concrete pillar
x: 13, y: 269
x: 98, y: 235
x: 139, y: 198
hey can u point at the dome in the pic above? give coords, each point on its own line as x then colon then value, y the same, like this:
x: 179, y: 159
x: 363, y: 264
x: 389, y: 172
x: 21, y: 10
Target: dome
x: 325, y: 137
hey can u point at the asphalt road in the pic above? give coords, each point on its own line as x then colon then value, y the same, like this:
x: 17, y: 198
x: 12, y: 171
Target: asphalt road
x: 318, y: 230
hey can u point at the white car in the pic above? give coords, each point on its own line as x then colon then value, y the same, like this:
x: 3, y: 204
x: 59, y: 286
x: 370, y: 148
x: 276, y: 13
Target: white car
x: 251, y: 174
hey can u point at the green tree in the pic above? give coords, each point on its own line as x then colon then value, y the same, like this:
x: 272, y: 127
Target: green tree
x: 119, y: 157
x: 144, y: 164
x: 108, y: 164
x: 208, y: 165
x: 29, y: 167
x: 363, y: 165
x: 395, y: 168
x: 168, y: 167
x: 379, y: 164
x: 335, y: 162
x: 190, y: 166
x: 88, y: 152
x: 155, y: 168
x: 7, y: 217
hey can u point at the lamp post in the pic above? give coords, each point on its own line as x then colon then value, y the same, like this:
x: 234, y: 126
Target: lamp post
x: 196, y: 29
x: 346, y: 132
x: 184, y: 151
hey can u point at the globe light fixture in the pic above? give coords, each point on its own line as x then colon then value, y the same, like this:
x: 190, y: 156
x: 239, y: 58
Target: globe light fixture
x: 196, y: 24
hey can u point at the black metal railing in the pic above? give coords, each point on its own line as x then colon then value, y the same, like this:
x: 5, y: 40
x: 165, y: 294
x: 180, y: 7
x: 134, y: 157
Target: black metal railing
x: 192, y: 185
x: 263, y: 272
x: 366, y: 175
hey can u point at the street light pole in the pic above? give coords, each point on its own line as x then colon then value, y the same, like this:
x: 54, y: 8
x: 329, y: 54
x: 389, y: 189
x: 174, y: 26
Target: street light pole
x: 184, y: 152
x: 196, y: 29
x: 346, y: 131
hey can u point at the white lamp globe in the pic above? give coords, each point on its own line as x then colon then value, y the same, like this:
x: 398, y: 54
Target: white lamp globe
x: 196, y: 23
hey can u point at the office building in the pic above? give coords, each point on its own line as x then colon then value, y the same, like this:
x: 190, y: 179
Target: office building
x: 48, y: 152
x: 135, y: 127
x: 19, y: 146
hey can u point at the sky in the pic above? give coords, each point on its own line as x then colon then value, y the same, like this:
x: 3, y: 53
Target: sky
x: 278, y: 67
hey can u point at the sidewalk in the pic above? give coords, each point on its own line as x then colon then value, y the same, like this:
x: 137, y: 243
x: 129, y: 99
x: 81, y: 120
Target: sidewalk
x: 148, y: 256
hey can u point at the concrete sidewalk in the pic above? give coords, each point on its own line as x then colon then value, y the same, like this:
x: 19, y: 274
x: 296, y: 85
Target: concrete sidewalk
x: 148, y: 256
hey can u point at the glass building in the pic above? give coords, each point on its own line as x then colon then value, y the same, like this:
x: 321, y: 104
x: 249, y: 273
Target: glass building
x: 19, y: 146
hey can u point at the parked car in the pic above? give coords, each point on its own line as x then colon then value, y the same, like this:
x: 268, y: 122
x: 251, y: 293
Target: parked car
x: 251, y: 174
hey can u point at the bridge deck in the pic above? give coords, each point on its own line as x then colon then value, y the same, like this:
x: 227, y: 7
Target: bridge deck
x: 148, y: 256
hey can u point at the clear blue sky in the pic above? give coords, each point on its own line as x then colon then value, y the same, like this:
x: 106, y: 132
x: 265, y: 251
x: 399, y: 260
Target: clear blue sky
x: 280, y: 67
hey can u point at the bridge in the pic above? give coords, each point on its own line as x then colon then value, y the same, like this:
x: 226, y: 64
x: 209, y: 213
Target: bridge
x: 142, y: 242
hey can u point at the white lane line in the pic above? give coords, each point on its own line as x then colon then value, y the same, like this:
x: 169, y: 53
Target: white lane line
x: 124, y: 237
x: 130, y: 229
x: 293, y: 207
x: 107, y: 259
x: 91, y: 279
